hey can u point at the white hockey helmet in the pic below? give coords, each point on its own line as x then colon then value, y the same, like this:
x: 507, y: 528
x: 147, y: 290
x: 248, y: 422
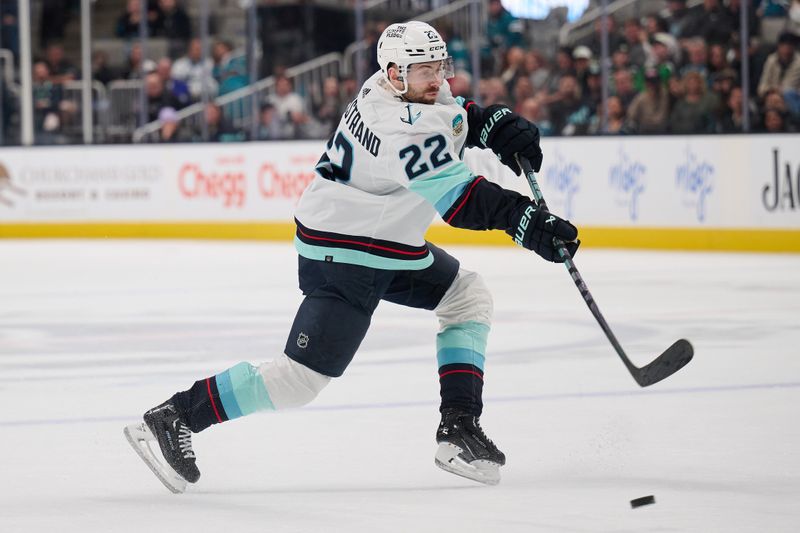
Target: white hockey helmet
x: 406, y: 43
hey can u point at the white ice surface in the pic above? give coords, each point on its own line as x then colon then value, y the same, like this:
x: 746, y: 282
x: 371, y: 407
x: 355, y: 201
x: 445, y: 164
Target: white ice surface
x: 94, y: 333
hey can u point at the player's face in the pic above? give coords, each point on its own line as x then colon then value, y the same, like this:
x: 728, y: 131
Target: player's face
x: 425, y: 79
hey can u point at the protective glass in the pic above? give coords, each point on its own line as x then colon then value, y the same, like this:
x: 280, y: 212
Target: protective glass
x: 430, y: 71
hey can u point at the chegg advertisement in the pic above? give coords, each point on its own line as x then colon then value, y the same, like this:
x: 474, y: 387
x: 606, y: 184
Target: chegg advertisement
x: 674, y: 192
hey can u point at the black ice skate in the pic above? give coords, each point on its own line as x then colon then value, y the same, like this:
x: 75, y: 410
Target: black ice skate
x: 465, y: 450
x: 165, y: 425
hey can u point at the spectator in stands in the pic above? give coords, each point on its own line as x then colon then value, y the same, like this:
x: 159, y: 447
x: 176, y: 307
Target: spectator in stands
x: 47, y: 98
x: 655, y: 24
x: 722, y: 83
x: 695, y: 111
x: 61, y: 70
x: 582, y: 58
x: 593, y: 91
x: 137, y: 66
x: 533, y: 110
x: 192, y: 70
x: 775, y: 122
x: 635, y: 39
x: 9, y: 27
x: 172, y: 22
x: 620, y: 59
x: 522, y: 90
x: 461, y: 84
x: 289, y: 108
x: 514, y: 67
x: 170, y: 126
x: 774, y: 101
x: 717, y: 59
x: 623, y: 87
x: 753, y: 20
x: 330, y: 108
x: 711, y: 22
x: 664, y: 55
x: 503, y: 31
x: 537, y: 69
x: 649, y: 111
x: 563, y: 67
x: 732, y: 117
x: 128, y: 22
x: 178, y: 89
x: 349, y: 87
x: 569, y: 113
x: 157, y: 96
x: 493, y: 91
x: 219, y: 129
x: 679, y: 19
x: 269, y: 129
x: 614, y: 39
x: 101, y: 71
x: 230, y: 70
x: 782, y: 72
x: 615, y: 120
x: 697, y: 58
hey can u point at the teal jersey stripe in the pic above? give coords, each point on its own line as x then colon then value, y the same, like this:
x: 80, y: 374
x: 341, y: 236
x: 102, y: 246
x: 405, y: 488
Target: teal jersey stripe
x: 243, y: 388
x: 460, y: 100
x: 449, y: 356
x: 462, y: 343
x: 357, y: 257
x: 442, y: 185
x: 447, y: 201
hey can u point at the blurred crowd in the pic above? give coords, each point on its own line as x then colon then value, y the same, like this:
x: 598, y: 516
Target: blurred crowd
x: 677, y: 71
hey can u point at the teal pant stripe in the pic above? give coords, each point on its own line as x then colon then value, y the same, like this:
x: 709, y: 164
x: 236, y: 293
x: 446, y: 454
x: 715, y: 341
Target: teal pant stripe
x: 245, y: 389
x: 449, y: 356
x: 226, y: 395
x: 462, y: 343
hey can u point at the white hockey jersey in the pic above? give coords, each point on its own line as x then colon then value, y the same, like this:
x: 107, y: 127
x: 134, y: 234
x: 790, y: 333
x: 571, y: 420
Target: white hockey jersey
x: 388, y: 168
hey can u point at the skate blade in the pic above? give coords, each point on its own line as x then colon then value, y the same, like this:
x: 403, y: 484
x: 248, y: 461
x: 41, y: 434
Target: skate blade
x: 486, y: 472
x: 139, y: 437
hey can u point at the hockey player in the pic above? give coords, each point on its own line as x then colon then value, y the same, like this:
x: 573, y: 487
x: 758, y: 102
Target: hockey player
x: 392, y: 164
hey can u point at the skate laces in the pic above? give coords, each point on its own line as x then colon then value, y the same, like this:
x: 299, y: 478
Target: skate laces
x: 479, y: 431
x: 185, y: 441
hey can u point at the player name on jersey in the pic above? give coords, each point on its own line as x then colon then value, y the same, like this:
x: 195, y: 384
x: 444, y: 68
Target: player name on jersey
x: 367, y: 139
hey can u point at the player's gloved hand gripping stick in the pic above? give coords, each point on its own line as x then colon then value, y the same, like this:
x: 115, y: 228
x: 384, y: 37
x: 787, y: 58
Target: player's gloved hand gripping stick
x: 663, y: 366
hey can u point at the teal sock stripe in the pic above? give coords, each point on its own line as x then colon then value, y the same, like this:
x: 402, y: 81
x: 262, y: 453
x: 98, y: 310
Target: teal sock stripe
x: 242, y: 391
x: 463, y: 343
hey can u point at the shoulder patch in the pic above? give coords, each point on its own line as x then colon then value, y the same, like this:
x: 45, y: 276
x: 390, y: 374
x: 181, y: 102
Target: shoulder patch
x: 458, y: 125
x: 365, y: 92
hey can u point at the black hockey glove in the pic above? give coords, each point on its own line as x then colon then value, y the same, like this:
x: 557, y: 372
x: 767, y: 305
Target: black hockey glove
x: 535, y: 228
x: 508, y: 134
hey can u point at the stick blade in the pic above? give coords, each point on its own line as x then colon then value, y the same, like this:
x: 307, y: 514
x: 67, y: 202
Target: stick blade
x: 673, y: 359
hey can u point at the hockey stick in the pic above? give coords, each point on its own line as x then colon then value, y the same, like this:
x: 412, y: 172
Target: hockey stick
x: 673, y: 359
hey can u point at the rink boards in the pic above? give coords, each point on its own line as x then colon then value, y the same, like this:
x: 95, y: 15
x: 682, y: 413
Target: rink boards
x: 691, y: 192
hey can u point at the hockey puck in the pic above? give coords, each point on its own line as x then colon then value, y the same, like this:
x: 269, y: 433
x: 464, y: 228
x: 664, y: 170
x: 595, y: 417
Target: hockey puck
x: 644, y: 500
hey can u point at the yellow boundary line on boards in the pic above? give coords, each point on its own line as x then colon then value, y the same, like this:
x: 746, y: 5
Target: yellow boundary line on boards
x: 717, y: 239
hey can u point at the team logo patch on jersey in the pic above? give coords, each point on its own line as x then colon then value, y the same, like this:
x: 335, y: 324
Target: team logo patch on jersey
x: 411, y: 119
x: 458, y: 125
